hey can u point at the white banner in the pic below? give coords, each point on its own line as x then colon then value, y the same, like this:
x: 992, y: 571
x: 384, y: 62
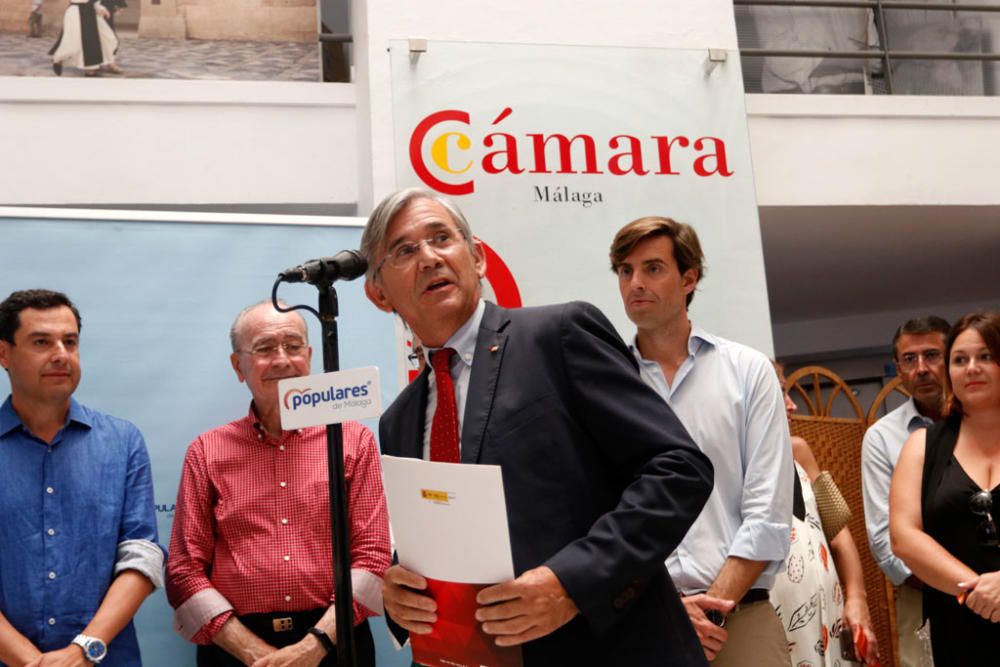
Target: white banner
x: 549, y: 150
x: 330, y: 398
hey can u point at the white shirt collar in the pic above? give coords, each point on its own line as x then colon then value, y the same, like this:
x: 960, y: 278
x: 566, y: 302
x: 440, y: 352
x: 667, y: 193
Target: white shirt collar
x: 463, y: 341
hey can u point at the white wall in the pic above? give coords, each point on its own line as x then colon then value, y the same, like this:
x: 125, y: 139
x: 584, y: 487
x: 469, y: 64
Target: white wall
x: 840, y: 150
x: 183, y: 142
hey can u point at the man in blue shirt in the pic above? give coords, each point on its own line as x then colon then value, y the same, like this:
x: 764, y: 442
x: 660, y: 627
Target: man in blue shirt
x: 78, y: 541
x: 728, y: 398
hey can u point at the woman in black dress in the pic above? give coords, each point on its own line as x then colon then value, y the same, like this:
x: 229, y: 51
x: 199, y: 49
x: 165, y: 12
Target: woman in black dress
x: 945, y: 498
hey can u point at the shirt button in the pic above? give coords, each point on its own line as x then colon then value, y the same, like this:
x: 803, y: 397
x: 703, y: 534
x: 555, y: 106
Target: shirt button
x: 51, y: 532
x: 52, y: 621
x: 282, y: 484
x: 287, y: 558
x: 281, y: 447
x: 52, y: 575
x: 50, y: 490
x: 288, y: 598
x: 284, y: 522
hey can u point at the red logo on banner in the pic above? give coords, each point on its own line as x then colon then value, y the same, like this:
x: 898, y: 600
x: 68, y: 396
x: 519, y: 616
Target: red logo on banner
x: 501, y: 280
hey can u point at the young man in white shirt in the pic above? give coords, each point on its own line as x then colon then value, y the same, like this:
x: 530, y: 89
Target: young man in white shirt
x: 728, y: 397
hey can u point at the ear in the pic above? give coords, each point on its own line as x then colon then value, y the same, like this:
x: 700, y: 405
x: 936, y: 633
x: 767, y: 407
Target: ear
x: 479, y: 255
x: 378, y: 296
x: 234, y: 359
x: 4, y: 354
x: 689, y: 280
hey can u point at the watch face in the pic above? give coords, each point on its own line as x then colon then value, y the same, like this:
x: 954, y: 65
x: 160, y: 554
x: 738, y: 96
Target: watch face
x: 96, y: 650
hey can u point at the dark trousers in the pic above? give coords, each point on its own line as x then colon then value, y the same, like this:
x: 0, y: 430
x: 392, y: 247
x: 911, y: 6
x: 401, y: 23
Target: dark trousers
x: 262, y: 625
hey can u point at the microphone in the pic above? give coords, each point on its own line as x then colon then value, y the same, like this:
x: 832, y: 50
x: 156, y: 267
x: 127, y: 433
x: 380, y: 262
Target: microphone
x: 345, y: 265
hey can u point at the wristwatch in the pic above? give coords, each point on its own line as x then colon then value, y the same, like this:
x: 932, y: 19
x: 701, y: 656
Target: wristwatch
x: 323, y: 638
x: 94, y: 649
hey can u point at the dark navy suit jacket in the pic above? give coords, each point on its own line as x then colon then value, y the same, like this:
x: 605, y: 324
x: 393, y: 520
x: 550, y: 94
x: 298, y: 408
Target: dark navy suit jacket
x: 601, y: 479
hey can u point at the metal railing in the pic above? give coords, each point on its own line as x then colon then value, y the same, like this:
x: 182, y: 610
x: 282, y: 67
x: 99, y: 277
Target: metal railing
x: 886, y: 54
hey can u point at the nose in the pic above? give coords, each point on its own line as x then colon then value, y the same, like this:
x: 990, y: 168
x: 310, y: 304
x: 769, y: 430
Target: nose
x: 59, y: 351
x: 922, y: 366
x: 634, y: 281
x: 280, y: 357
x: 427, y: 255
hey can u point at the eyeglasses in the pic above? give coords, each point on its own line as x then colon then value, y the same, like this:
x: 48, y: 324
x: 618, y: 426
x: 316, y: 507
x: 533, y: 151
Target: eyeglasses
x: 404, y: 254
x: 292, y: 348
x: 981, y: 504
x: 911, y: 360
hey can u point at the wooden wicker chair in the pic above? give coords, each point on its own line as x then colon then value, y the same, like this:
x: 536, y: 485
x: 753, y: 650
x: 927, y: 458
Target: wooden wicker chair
x: 836, y: 442
x: 894, y: 385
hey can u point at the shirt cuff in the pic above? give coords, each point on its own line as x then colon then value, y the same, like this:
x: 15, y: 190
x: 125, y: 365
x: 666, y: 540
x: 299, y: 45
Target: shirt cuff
x: 198, y: 610
x: 206, y: 635
x: 762, y: 541
x: 896, y: 570
x: 367, y: 589
x: 143, y: 556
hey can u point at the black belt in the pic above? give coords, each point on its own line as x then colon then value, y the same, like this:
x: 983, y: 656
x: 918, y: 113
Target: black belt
x: 755, y: 595
x: 266, y: 624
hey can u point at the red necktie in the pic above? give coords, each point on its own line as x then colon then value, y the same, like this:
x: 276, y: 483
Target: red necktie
x: 444, y: 428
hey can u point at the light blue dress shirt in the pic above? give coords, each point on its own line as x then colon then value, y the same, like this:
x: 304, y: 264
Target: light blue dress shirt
x: 879, y: 453
x: 728, y: 397
x: 73, y: 514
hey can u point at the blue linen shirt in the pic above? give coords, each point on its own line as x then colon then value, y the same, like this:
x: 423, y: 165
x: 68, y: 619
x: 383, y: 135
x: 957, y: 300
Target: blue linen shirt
x: 728, y: 397
x: 879, y: 453
x: 66, y: 508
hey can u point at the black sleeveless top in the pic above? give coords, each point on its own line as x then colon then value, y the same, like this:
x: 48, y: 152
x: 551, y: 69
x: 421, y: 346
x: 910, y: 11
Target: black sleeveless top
x: 958, y: 636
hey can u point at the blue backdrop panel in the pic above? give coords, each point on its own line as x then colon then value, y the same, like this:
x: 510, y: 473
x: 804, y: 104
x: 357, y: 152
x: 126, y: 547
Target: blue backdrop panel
x: 157, y: 300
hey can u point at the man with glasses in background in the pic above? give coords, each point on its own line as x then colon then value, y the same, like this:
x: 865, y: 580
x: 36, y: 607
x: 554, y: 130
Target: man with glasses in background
x: 918, y: 348
x: 250, y: 568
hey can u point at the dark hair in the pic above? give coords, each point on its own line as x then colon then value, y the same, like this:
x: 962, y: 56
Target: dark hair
x: 988, y: 326
x: 919, y: 326
x: 687, y: 248
x: 40, y: 299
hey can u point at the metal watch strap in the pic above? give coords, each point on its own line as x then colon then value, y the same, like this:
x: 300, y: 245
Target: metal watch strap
x: 323, y: 638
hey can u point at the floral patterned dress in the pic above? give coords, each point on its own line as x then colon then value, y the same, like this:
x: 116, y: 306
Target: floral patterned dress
x: 808, y: 595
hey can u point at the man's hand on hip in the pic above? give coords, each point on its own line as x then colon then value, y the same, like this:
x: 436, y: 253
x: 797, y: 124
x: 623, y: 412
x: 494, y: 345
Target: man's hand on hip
x: 412, y: 610
x: 532, y: 606
x: 711, y: 636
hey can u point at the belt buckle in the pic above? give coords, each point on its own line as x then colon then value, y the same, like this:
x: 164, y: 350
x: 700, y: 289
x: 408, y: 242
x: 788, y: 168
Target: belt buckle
x: 282, y: 624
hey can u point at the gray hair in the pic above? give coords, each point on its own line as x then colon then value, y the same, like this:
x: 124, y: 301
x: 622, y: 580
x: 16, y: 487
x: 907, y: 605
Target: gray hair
x: 237, y: 328
x: 373, y: 238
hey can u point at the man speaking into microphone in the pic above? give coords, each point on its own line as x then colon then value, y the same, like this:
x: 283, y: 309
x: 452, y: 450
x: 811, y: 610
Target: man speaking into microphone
x: 250, y: 571
x: 600, y: 478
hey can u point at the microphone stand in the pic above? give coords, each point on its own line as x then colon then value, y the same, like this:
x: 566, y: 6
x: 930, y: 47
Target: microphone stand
x: 342, y: 589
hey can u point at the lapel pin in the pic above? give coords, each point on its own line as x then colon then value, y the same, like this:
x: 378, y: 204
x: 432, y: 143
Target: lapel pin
x: 494, y: 348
